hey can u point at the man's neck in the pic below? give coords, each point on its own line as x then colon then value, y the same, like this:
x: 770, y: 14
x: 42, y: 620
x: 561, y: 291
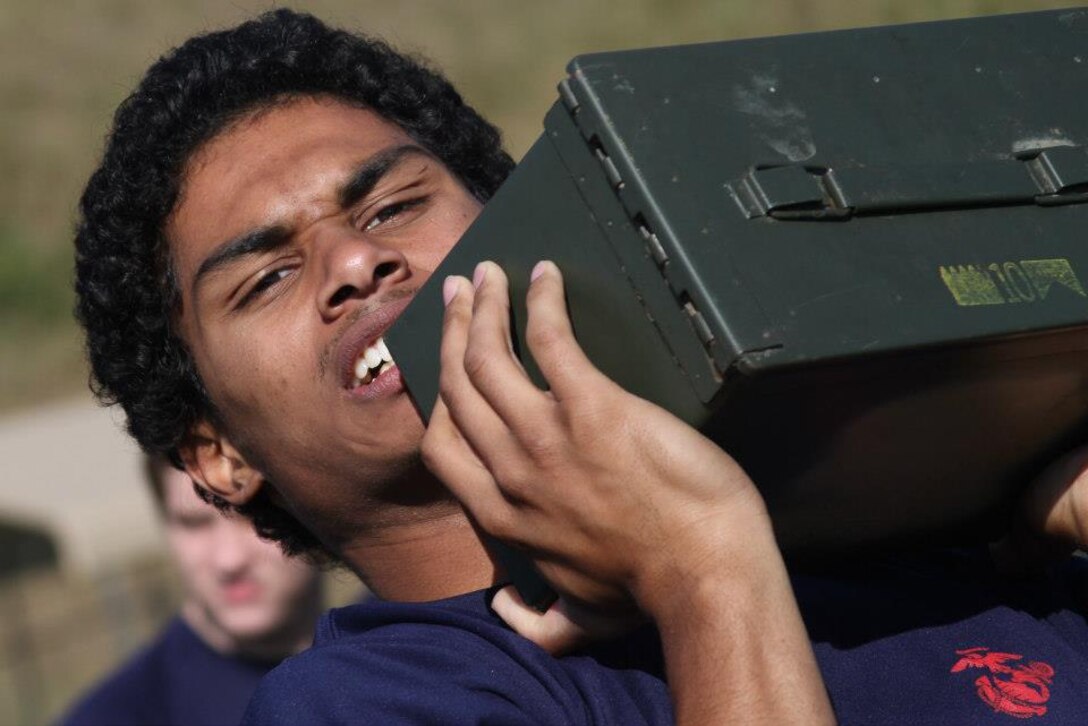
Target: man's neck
x: 427, y: 559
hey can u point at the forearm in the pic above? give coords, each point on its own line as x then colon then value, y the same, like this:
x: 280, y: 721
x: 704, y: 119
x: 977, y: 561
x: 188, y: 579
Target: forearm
x: 613, y: 495
x: 736, y: 649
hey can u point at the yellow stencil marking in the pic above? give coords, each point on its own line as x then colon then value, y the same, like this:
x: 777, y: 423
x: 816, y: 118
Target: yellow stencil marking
x: 970, y: 285
x: 1044, y: 273
x: 1001, y: 283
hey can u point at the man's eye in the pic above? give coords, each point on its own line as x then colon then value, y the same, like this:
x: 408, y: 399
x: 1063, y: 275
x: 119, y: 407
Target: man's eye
x: 388, y: 213
x: 266, y: 281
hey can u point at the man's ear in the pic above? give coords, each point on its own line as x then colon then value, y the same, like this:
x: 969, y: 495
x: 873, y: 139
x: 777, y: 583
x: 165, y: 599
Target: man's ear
x: 216, y: 465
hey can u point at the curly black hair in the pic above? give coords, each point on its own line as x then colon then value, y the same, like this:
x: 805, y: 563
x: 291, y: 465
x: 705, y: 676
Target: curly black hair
x: 125, y: 285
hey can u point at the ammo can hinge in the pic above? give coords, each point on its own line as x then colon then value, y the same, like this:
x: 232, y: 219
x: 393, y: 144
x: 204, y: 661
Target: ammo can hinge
x: 640, y: 214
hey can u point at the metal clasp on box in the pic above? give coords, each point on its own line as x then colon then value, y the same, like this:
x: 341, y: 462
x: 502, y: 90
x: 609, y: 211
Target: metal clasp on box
x: 1047, y: 177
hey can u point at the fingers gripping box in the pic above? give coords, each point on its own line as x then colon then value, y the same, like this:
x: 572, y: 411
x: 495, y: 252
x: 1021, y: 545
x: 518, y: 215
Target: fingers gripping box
x: 857, y: 260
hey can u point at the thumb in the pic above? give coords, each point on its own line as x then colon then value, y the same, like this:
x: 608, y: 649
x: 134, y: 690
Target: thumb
x: 563, y: 627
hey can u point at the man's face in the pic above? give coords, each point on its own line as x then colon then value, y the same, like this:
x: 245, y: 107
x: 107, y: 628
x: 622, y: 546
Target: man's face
x: 300, y: 234
x: 243, y: 587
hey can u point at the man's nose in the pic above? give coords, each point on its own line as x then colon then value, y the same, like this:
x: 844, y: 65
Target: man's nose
x: 355, y: 268
x: 231, y: 553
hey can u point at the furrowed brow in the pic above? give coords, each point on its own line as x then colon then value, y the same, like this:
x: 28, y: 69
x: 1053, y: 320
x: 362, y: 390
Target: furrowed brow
x: 358, y: 185
x: 367, y: 176
x: 251, y: 243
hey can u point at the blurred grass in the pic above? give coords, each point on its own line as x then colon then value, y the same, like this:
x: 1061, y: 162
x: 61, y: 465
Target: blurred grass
x: 66, y: 65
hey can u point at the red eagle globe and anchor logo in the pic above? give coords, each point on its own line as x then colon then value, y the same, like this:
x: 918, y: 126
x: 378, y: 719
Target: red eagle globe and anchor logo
x: 1017, y: 689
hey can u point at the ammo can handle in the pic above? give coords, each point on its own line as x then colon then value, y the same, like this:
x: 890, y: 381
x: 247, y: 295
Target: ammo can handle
x: 1047, y: 177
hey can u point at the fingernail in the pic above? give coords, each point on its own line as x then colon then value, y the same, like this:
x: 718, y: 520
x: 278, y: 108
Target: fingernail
x: 478, y: 275
x: 538, y: 270
x: 449, y: 289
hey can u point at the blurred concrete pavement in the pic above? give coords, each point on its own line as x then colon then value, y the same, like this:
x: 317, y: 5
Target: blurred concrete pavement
x: 70, y: 470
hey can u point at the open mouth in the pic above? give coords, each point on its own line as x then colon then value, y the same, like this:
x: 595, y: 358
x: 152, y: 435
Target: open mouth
x: 371, y: 362
x: 366, y: 367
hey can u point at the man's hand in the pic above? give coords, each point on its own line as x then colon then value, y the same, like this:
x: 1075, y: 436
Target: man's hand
x: 642, y: 496
x: 614, y: 498
x: 1051, y: 520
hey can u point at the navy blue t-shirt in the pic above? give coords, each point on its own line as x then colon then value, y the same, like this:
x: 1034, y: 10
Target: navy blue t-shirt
x: 176, y: 680
x: 940, y: 638
x: 930, y: 640
x: 454, y: 662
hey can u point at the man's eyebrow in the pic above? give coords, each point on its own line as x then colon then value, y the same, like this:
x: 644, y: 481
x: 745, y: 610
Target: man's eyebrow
x: 371, y: 171
x: 265, y: 239
x: 258, y: 240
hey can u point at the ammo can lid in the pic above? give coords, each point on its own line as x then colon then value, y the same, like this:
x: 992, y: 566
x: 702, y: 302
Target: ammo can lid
x: 834, y: 194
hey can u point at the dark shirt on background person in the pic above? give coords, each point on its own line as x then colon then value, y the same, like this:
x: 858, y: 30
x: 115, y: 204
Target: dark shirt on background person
x: 176, y: 680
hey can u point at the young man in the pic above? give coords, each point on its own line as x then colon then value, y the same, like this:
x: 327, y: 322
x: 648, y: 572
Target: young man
x: 246, y: 607
x: 270, y: 200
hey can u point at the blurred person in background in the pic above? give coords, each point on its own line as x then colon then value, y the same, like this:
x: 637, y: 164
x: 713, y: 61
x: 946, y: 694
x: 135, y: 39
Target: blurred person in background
x: 246, y: 606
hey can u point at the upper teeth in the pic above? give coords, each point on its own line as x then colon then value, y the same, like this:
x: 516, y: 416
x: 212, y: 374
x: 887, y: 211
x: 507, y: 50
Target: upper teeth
x: 372, y: 362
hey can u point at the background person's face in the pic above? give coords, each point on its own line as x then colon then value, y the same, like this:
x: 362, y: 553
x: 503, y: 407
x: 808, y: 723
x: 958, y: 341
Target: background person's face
x: 274, y: 332
x: 241, y: 586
